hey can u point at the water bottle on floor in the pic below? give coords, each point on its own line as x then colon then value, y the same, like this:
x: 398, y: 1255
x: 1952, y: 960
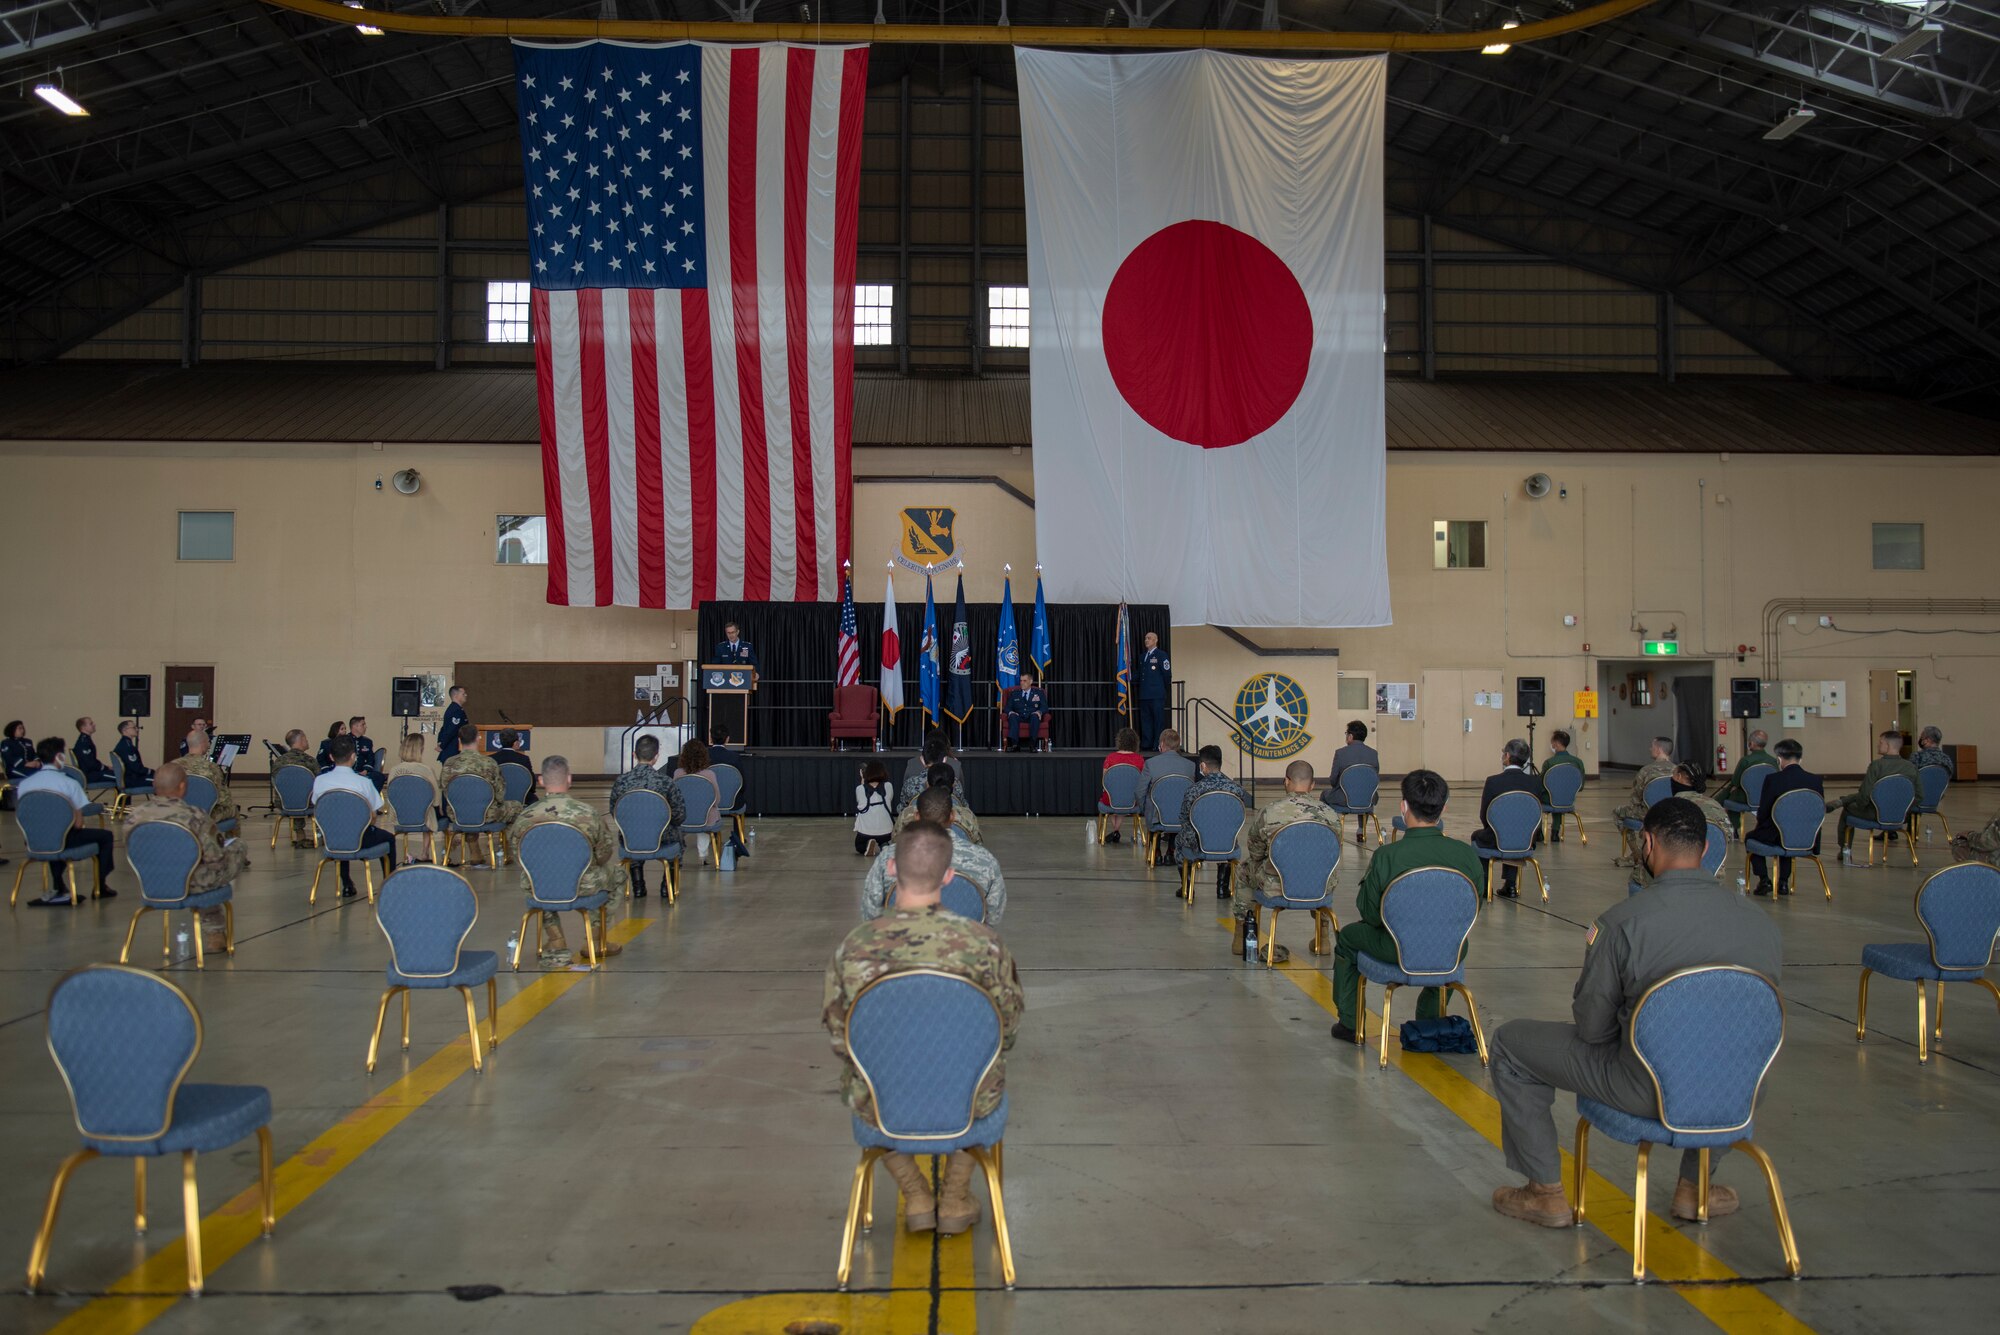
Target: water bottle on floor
x: 1250, y: 939
x: 181, y: 947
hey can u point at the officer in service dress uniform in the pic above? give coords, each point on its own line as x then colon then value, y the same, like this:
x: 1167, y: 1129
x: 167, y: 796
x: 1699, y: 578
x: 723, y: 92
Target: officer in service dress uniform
x: 1156, y: 672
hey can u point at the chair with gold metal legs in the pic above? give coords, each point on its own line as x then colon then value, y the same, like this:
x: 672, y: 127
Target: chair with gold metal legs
x: 342, y: 818
x: 1560, y: 786
x: 1798, y: 816
x: 1429, y: 914
x: 291, y: 797
x: 1356, y: 794
x: 1213, y: 823
x: 124, y: 1040
x: 703, y: 799
x: 410, y: 798
x: 1895, y: 798
x: 1121, y: 786
x: 427, y: 912
x: 467, y: 800
x: 1305, y: 854
x: 1656, y: 792
x: 1707, y: 1037
x: 553, y: 858
x: 1515, y: 819
x: 1163, y: 811
x: 922, y: 1042
x: 45, y: 819
x: 1933, y: 782
x: 643, y: 818
x: 163, y: 856
x: 1959, y: 909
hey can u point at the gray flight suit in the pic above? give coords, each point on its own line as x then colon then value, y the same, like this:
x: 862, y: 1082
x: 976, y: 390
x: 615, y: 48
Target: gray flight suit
x: 1684, y: 920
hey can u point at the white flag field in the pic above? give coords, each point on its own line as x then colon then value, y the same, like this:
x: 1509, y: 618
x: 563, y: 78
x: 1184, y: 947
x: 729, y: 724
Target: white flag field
x: 1205, y: 286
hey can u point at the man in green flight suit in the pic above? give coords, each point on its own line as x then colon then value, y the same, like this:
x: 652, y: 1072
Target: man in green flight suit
x: 1888, y: 760
x: 1734, y: 791
x: 1559, y: 754
x: 1423, y: 845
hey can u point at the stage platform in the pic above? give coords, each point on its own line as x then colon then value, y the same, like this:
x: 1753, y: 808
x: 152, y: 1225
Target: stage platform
x: 821, y: 783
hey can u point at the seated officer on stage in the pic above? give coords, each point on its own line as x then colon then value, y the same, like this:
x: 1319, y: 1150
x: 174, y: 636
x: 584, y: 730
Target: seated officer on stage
x: 295, y: 756
x: 734, y: 648
x: 918, y: 933
x: 1733, y: 791
x: 84, y: 754
x: 941, y: 776
x: 1888, y: 760
x: 1296, y: 805
x: 49, y: 776
x: 469, y: 761
x: 1559, y: 754
x: 600, y: 877
x: 967, y: 858
x: 1026, y: 705
x: 196, y: 761
x: 1512, y: 778
x: 1423, y: 845
x: 507, y: 755
x: 1686, y: 920
x: 1211, y: 779
x: 127, y: 751
x: 646, y: 773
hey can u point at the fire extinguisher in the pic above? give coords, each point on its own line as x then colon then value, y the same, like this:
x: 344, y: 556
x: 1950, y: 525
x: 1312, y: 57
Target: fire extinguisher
x: 1721, y: 757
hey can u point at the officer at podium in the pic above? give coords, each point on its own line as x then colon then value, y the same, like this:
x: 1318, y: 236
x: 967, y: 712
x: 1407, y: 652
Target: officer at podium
x: 734, y: 648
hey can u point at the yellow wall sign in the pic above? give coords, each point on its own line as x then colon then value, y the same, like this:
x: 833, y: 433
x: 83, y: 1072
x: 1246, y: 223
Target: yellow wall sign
x: 1586, y: 705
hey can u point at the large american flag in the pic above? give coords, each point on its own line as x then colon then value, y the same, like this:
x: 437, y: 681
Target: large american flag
x: 692, y: 220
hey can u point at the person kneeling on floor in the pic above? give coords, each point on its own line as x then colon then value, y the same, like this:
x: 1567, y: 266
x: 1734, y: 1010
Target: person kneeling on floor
x: 1686, y: 920
x: 919, y: 934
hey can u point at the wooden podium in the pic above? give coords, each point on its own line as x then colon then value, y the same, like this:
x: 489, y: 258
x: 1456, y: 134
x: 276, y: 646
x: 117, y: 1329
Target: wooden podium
x: 725, y: 695
x: 489, y: 736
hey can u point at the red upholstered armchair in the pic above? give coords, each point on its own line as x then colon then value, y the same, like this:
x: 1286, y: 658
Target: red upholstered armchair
x: 856, y: 713
x: 1008, y: 726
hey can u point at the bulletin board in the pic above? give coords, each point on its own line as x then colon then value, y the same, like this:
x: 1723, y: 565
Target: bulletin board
x: 563, y: 695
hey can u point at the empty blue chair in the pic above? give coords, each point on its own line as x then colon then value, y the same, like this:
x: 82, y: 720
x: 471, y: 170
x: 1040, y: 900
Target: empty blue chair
x: 1429, y: 915
x: 292, y: 786
x: 1754, y: 779
x: 1933, y: 781
x: 1355, y: 796
x: 1797, y: 815
x: 922, y: 1042
x: 516, y: 781
x: 1706, y: 1036
x: 729, y: 787
x: 642, y: 817
x: 427, y: 912
x: 1895, y: 797
x: 45, y: 819
x: 703, y: 797
x: 163, y: 856
x: 553, y: 858
x: 410, y: 798
x: 124, y: 1040
x: 1515, y: 819
x: 1121, y: 787
x: 1163, y: 811
x: 965, y: 897
x: 92, y: 807
x: 1305, y: 854
x: 1560, y: 786
x: 467, y: 799
x: 341, y: 817
x: 1217, y: 817
x: 201, y: 795
x: 1959, y: 909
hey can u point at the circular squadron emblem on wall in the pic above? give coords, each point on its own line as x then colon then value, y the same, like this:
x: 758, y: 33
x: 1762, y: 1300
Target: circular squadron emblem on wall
x: 1271, y: 714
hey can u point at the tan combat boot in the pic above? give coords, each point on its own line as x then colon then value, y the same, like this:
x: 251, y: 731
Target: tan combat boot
x: 919, y: 1205
x: 957, y: 1211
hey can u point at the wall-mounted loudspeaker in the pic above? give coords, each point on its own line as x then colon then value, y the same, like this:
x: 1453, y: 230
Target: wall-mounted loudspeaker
x: 406, y: 697
x: 408, y: 481
x: 1530, y: 697
x: 135, y: 695
x: 1538, y: 485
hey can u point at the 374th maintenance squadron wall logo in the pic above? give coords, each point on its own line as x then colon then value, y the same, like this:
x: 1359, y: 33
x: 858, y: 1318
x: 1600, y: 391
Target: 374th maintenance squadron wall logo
x: 927, y: 542
x: 1271, y: 713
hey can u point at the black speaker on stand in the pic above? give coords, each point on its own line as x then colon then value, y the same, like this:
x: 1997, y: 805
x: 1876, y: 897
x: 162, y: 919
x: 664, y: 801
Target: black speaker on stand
x: 1531, y: 702
x: 135, y: 695
x: 406, y: 699
x: 1746, y: 697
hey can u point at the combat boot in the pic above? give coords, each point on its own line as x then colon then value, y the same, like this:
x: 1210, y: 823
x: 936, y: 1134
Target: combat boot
x: 957, y: 1210
x: 919, y: 1205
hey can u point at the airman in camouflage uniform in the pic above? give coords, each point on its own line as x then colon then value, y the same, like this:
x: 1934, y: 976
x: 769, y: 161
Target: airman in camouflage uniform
x: 196, y: 761
x: 914, y: 787
x: 471, y: 762
x: 646, y: 776
x: 962, y: 820
x: 1982, y: 847
x: 1299, y: 803
x: 600, y: 877
x: 967, y: 859
x: 220, y: 865
x: 920, y: 934
x: 297, y: 755
x: 1660, y: 766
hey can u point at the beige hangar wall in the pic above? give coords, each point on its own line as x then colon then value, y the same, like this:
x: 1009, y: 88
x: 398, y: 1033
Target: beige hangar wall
x: 336, y: 587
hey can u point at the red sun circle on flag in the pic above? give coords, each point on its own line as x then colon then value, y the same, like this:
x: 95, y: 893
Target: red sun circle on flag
x: 1207, y: 334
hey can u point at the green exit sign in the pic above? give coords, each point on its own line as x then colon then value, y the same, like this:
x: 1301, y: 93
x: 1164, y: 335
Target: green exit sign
x: 1660, y: 648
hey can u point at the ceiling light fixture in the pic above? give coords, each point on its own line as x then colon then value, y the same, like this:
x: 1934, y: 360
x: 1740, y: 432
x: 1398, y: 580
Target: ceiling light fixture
x: 60, y: 100
x: 1916, y: 39
x: 364, y: 29
x: 1795, y: 120
x: 1500, y: 48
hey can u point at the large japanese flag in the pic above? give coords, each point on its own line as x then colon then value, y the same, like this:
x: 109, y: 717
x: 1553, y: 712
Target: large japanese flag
x: 1205, y: 270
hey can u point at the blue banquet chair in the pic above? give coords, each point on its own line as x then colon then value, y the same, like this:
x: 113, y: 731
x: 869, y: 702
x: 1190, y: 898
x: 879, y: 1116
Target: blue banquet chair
x: 201, y: 795
x: 45, y: 819
x: 124, y: 1040
x: 427, y: 912
x: 922, y: 1041
x: 1714, y: 854
x: 163, y: 856
x: 1163, y: 811
x: 127, y: 788
x: 93, y: 807
x: 1305, y: 855
x: 1360, y: 785
x: 1707, y: 1037
x: 515, y: 782
x: 410, y: 798
x: 342, y: 817
x: 1933, y: 781
x: 703, y: 796
x: 467, y: 799
x: 1561, y: 784
x: 553, y: 858
x: 1798, y: 816
x: 1959, y: 909
x: 1121, y: 786
x: 1754, y: 780
x: 292, y: 787
x: 1216, y: 817
x: 1895, y: 797
x: 964, y: 896
x: 1656, y: 792
x: 1515, y: 819
x: 1429, y: 914
x: 729, y: 790
x: 642, y: 817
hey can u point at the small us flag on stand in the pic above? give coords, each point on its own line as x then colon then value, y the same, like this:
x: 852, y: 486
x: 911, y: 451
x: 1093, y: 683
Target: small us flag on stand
x: 692, y: 224
x: 849, y: 671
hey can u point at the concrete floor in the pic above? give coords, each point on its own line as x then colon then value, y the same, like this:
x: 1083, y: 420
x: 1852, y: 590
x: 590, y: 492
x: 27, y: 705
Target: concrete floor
x: 660, y: 1147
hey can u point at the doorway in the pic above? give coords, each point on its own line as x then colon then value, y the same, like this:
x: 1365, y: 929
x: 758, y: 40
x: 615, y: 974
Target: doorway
x: 1892, y: 703
x: 1634, y: 705
x: 190, y: 695
x: 1461, y: 713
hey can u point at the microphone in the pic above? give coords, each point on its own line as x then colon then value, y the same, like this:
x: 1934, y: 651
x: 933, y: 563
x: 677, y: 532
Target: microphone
x: 503, y: 716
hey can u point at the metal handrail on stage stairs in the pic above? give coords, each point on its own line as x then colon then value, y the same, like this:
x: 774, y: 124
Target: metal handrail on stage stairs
x: 1194, y: 712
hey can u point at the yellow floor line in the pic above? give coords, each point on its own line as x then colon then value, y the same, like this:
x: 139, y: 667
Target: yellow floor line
x: 159, y: 1282
x: 1671, y: 1255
